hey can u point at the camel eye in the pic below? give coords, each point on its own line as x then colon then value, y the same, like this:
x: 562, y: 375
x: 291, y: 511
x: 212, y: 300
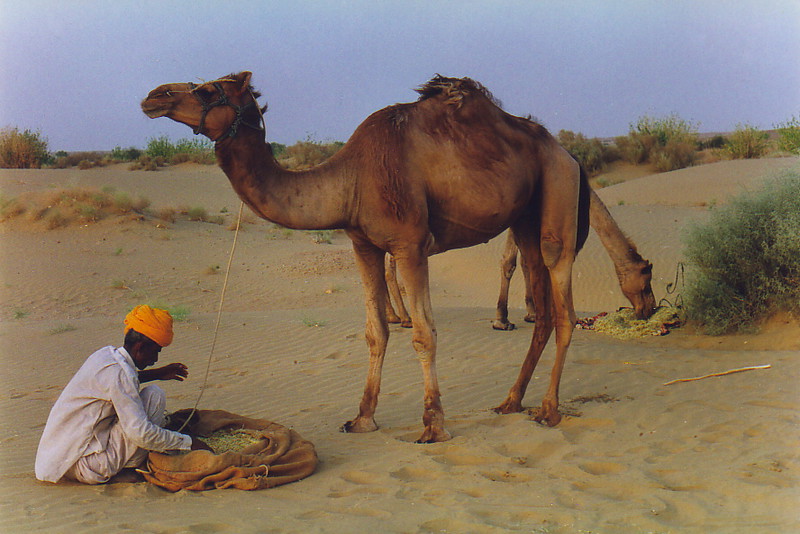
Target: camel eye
x: 205, y: 93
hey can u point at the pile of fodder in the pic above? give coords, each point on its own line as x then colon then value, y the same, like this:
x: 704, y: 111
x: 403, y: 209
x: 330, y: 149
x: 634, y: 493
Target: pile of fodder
x: 67, y: 207
x: 232, y: 439
x: 623, y: 324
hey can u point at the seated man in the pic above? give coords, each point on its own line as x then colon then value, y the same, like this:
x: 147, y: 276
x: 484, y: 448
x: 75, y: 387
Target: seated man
x: 101, y: 422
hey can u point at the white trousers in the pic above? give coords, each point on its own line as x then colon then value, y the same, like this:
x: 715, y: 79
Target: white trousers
x: 99, y: 467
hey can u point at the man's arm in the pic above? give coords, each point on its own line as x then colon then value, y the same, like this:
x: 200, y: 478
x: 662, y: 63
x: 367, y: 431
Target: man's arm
x: 173, y: 371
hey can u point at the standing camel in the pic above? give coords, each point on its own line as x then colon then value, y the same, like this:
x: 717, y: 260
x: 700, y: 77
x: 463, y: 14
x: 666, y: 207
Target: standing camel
x: 450, y: 170
x: 633, y: 272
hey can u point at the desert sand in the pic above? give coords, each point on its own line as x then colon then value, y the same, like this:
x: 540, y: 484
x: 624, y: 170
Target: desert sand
x: 632, y: 455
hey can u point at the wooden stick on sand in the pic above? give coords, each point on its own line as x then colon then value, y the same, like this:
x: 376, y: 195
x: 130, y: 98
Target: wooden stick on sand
x: 755, y: 367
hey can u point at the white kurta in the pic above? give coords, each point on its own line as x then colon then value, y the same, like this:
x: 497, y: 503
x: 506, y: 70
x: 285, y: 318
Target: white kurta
x: 102, y: 394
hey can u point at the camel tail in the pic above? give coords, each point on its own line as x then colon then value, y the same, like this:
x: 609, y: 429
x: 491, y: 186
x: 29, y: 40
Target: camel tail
x: 584, y: 196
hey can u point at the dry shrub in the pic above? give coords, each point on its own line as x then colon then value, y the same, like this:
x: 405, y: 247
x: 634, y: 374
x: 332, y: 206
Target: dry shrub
x: 674, y: 155
x: 590, y: 153
x: 308, y: 153
x: 22, y: 150
x: 747, y: 142
x: 669, y: 143
x: 70, y: 206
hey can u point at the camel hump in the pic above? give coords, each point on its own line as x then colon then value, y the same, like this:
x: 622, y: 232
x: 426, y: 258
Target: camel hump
x: 454, y: 90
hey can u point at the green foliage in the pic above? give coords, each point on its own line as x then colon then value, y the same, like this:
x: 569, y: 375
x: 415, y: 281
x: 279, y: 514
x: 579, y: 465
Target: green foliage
x: 747, y: 142
x: 125, y: 154
x: 666, y: 129
x: 590, y: 153
x: 161, y: 149
x: 746, y: 258
x: 789, y: 136
x: 22, y: 150
x: 669, y: 142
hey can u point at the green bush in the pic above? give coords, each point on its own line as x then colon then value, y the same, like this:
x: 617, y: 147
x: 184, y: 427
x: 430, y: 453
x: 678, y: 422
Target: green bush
x: 747, y: 142
x: 125, y: 154
x: 669, y: 142
x: 590, y: 153
x: 22, y: 150
x: 746, y: 258
x: 161, y: 149
x: 789, y: 136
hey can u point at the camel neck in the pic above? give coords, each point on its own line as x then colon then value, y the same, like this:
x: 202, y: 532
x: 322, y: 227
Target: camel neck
x: 316, y: 199
x: 620, y: 249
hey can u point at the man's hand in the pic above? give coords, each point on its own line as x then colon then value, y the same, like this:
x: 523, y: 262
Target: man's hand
x: 199, y: 445
x: 173, y: 371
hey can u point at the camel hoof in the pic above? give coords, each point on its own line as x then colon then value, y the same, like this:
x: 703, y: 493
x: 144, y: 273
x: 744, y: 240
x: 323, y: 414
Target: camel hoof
x: 503, y: 326
x: 529, y: 319
x: 359, y: 426
x: 406, y: 324
x: 550, y: 418
x: 431, y: 435
x: 509, y: 406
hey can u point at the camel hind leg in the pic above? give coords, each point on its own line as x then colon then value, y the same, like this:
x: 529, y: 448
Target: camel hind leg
x: 548, y: 246
x: 508, y: 264
x: 401, y: 316
x: 528, y: 241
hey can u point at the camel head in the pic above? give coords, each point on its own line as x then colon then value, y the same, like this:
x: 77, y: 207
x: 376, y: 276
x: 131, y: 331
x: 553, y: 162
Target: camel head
x: 635, y: 285
x: 216, y: 109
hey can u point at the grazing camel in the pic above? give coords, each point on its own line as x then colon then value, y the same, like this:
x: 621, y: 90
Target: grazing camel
x: 450, y: 170
x: 633, y: 272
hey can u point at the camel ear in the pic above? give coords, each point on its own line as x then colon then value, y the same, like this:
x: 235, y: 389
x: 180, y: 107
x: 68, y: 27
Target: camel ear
x: 244, y: 78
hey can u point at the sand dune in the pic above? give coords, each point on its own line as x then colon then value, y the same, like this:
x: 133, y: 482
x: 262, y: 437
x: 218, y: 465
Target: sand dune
x: 633, y: 455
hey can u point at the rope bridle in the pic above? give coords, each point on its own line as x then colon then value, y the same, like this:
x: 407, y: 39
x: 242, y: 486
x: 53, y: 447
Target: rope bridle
x: 223, y: 100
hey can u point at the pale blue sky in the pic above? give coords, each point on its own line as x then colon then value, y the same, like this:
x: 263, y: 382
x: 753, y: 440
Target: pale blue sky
x: 76, y: 71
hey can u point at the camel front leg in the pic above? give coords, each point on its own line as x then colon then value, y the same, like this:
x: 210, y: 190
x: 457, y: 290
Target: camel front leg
x: 508, y: 263
x: 414, y: 270
x: 370, y: 261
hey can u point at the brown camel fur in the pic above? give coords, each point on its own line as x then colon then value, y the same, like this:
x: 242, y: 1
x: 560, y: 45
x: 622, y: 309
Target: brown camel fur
x: 633, y: 272
x: 450, y: 170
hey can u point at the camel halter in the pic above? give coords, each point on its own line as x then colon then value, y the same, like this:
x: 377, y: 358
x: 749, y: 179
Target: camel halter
x: 222, y: 100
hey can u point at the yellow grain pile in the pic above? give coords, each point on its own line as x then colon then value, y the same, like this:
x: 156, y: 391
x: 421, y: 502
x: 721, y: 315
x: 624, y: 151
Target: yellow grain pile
x: 232, y: 439
x: 623, y: 324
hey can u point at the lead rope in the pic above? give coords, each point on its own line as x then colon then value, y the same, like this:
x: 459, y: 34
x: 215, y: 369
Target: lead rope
x: 219, y: 317
x: 222, y: 294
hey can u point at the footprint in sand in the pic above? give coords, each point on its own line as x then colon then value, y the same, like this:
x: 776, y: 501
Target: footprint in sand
x: 501, y: 475
x: 412, y: 474
x: 602, y: 468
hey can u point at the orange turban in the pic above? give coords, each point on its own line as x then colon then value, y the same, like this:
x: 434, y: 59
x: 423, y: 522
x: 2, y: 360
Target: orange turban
x: 151, y: 322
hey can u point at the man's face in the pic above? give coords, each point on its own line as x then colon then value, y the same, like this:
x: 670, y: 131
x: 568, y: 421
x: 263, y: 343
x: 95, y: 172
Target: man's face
x: 145, y: 354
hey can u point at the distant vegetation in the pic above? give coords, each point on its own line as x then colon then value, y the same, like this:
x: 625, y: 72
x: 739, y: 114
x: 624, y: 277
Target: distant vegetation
x: 592, y: 154
x: 789, y: 136
x: 22, y: 150
x: 668, y: 143
x: 746, y: 258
